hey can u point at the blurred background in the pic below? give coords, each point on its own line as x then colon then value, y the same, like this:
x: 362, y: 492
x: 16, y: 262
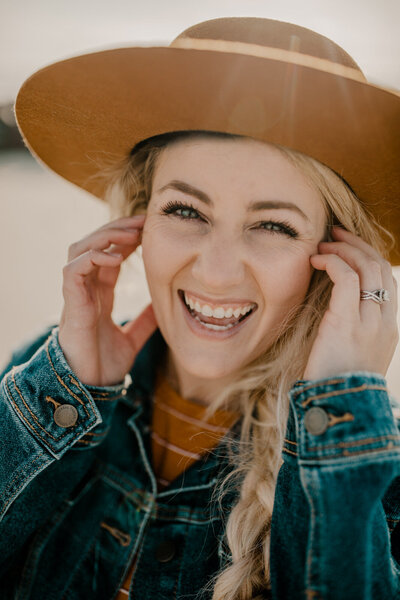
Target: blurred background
x: 40, y: 213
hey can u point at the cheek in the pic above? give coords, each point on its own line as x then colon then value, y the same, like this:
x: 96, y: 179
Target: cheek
x: 164, y: 253
x: 285, y: 276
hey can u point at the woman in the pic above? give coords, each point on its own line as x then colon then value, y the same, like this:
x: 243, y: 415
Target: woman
x: 236, y: 440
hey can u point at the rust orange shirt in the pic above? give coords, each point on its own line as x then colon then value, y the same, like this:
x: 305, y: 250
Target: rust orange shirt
x: 180, y: 435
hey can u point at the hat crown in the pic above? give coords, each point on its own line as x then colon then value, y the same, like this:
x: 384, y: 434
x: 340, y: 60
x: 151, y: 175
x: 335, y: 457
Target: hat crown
x: 272, y: 34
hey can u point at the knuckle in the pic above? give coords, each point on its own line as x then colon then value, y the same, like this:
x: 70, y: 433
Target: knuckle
x: 351, y: 277
x: 375, y: 268
x: 386, y: 265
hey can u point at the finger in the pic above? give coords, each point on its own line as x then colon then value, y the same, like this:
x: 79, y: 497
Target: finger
x: 345, y: 298
x: 79, y: 269
x: 141, y: 328
x: 102, y: 239
x: 340, y: 234
x: 396, y: 289
x: 367, y: 268
x: 374, y: 275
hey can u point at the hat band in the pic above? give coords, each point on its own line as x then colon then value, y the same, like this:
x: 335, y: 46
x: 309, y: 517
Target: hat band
x: 288, y: 56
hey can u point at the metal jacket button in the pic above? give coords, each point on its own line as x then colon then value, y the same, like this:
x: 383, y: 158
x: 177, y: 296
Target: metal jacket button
x: 316, y: 420
x: 65, y: 415
x: 165, y: 551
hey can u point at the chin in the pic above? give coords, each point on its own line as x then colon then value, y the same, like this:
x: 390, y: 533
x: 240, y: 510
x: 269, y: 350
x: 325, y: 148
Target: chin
x: 206, y: 367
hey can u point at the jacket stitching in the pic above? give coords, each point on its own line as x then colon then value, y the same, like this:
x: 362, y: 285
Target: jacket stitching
x: 140, y: 500
x: 122, y: 537
x: 29, y: 410
x: 101, y: 433
x: 6, y: 505
x: 22, y: 472
x: 289, y: 451
x: 355, y: 443
x: 348, y: 453
x: 110, y: 399
x: 29, y: 423
x: 313, y: 385
x: 121, y: 477
x: 100, y: 436
x: 354, y: 390
x: 67, y: 388
x: 344, y: 453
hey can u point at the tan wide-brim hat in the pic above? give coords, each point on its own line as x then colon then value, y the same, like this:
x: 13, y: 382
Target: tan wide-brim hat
x: 267, y: 79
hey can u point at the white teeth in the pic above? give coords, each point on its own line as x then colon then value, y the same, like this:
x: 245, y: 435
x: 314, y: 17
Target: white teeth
x: 215, y: 327
x: 219, y: 312
x: 206, y: 311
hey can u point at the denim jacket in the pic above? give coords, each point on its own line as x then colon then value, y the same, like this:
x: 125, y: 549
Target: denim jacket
x: 79, y: 496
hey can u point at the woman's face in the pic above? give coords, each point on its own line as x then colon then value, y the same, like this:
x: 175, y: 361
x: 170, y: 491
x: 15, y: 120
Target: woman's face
x: 230, y: 227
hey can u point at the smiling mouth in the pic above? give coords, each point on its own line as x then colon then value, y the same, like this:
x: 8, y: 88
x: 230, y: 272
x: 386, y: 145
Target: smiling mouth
x: 214, y: 323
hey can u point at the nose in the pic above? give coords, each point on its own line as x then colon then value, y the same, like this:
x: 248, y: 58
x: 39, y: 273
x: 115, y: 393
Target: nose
x: 219, y: 265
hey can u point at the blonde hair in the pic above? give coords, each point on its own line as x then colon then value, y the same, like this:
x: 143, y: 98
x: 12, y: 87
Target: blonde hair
x: 260, y: 390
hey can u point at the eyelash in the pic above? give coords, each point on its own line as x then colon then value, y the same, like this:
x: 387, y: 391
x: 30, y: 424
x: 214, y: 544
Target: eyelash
x: 171, y: 208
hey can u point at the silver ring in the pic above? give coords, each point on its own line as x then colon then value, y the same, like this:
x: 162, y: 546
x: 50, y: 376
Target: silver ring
x: 378, y: 296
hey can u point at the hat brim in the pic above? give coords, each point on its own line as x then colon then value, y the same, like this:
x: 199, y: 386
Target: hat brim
x: 80, y: 114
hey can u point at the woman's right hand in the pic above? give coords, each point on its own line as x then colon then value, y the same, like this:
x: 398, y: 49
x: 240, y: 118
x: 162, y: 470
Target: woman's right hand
x: 100, y: 352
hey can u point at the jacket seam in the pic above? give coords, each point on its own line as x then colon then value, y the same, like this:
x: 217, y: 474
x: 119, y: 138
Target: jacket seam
x: 6, y: 504
x: 109, y: 399
x: 371, y: 451
x: 289, y: 452
x: 290, y: 442
x: 29, y: 424
x: 33, y: 414
x: 314, y: 385
x: 67, y: 388
x: 353, y: 390
x: 354, y: 443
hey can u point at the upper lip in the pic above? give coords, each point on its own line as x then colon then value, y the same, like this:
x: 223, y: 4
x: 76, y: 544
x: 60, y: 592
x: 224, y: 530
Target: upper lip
x: 215, y: 302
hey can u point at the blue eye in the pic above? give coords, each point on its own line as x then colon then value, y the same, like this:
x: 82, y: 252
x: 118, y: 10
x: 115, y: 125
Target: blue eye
x: 279, y: 227
x: 183, y: 211
x: 187, y: 212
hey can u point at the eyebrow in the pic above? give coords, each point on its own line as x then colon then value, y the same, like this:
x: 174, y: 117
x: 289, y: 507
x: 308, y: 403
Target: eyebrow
x: 186, y: 188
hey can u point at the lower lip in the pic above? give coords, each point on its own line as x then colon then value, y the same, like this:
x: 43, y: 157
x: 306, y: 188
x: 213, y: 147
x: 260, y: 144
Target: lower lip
x: 204, y: 332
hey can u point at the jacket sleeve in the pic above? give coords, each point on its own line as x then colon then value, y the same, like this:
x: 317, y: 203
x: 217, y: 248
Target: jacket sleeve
x: 44, y: 455
x: 330, y: 523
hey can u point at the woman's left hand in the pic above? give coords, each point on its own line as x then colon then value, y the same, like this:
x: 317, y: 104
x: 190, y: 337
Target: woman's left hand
x: 354, y: 334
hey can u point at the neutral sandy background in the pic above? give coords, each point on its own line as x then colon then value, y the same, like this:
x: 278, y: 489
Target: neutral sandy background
x: 40, y: 215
